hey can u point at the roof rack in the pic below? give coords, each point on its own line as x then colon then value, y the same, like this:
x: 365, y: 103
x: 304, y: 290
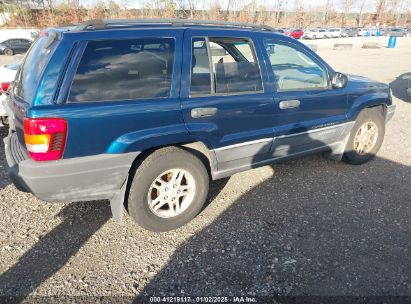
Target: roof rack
x: 110, y: 23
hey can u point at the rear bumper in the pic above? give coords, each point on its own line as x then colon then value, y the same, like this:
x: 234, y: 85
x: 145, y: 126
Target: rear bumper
x: 85, y: 178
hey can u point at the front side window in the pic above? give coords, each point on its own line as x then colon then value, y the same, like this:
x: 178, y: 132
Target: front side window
x: 293, y: 69
x: 224, y: 66
x: 124, y: 69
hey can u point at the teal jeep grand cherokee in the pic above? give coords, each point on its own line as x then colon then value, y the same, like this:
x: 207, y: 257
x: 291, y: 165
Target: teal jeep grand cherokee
x: 146, y: 112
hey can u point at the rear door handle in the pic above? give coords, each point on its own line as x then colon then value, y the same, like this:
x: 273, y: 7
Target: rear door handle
x: 203, y: 112
x: 289, y: 104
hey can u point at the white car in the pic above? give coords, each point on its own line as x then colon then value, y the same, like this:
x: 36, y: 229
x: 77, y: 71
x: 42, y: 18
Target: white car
x: 7, y: 75
x: 314, y: 34
x: 328, y: 33
x: 335, y: 33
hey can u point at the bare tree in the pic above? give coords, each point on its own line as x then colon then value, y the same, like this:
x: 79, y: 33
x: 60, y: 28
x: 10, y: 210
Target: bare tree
x: 54, y: 12
x: 380, y: 14
x: 22, y: 10
x: 3, y: 9
x: 347, y: 5
x: 229, y: 7
x: 397, y: 7
x: 404, y: 13
x: 39, y: 3
x: 203, y: 10
x: 278, y: 8
x: 360, y: 14
x: 192, y: 7
x: 50, y: 5
x: 298, y: 13
x: 327, y: 9
x: 113, y: 9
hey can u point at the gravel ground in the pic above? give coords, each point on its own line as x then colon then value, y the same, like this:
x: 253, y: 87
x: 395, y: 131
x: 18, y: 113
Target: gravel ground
x: 305, y: 227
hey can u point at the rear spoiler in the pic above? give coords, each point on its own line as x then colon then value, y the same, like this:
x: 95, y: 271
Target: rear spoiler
x: 52, y: 35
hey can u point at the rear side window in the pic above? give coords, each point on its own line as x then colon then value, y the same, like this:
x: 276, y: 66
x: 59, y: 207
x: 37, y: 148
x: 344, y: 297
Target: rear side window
x: 124, y: 69
x: 224, y: 66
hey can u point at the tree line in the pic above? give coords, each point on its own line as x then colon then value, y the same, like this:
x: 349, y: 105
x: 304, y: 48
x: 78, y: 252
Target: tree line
x: 276, y: 13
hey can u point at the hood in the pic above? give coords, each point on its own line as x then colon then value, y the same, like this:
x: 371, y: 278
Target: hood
x: 367, y: 82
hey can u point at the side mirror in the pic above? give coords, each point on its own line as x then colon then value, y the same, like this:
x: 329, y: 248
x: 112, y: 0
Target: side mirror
x: 339, y: 80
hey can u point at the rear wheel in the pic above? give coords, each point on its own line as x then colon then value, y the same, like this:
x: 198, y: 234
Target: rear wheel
x: 168, y: 189
x: 366, y: 137
x: 8, y: 52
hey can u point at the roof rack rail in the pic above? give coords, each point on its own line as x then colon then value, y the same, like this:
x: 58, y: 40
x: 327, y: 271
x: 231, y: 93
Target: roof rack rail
x: 109, y: 23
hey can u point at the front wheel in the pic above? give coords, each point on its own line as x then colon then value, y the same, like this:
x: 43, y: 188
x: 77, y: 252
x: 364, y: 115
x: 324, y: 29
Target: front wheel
x: 168, y: 189
x: 366, y: 137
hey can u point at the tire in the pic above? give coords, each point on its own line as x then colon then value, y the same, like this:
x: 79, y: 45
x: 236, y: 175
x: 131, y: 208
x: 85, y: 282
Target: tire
x: 368, y: 118
x: 143, y: 192
x: 8, y: 52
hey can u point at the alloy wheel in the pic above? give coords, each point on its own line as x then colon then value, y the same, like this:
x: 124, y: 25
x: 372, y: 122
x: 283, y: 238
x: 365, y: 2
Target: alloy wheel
x: 366, y: 138
x: 171, y: 193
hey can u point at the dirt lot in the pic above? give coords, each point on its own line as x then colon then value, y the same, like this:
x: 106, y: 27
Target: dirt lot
x: 306, y: 227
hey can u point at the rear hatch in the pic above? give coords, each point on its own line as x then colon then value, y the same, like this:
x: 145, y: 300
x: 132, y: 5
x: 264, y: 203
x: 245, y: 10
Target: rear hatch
x: 28, y: 77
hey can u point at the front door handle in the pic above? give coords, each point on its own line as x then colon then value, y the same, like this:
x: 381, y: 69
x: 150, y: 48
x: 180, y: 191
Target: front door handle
x: 203, y: 112
x: 289, y: 104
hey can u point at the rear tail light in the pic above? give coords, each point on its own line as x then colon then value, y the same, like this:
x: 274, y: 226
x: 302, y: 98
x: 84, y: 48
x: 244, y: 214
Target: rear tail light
x: 4, y: 86
x: 45, y: 138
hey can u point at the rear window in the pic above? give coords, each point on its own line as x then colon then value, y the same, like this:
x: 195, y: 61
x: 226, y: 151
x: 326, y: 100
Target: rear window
x: 31, y: 69
x: 124, y: 70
